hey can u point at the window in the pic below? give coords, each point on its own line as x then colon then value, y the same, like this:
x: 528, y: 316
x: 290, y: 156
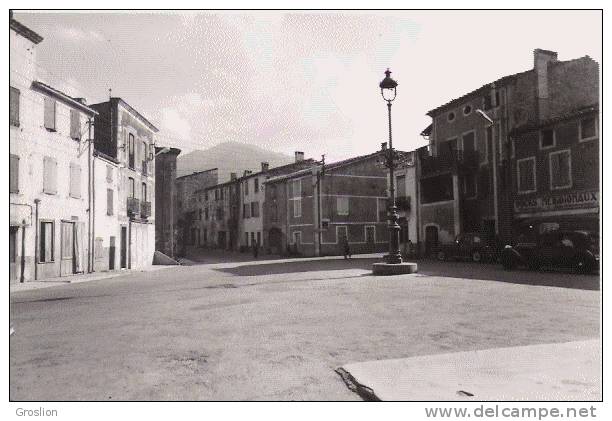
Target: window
x: 467, y: 110
x: 206, y: 195
x: 488, y: 143
x: 14, y: 95
x: 437, y: 189
x: 14, y: 174
x: 144, y: 192
x: 49, y: 175
x: 109, y: 174
x: 252, y: 239
x: 109, y: 202
x: 259, y: 237
x: 526, y: 175
x: 50, y: 114
x: 450, y: 116
x: 469, y: 186
x: 255, y: 209
x: 487, y: 103
x: 216, y: 194
x: 131, y: 145
x: 342, y: 205
x: 246, y: 238
x: 246, y: 187
x: 144, y: 157
x: 206, y: 214
x: 297, y: 237
x: 547, y: 138
x: 296, y: 186
x: 256, y: 187
x: 400, y: 186
x: 588, y: 128
x: 75, y: 125
x: 75, y: 181
x: 297, y: 208
x: 132, y: 187
x: 46, y: 241
x: 469, y: 142
x: 560, y: 169
x: 246, y: 211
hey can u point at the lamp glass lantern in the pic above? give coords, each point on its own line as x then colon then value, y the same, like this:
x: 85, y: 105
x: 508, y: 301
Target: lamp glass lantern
x: 388, y: 87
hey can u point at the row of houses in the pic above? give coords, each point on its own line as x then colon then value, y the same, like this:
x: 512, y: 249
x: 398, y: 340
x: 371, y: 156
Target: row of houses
x: 82, y: 176
x: 517, y: 154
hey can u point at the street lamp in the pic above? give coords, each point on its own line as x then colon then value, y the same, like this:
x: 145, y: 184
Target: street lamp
x: 388, y: 90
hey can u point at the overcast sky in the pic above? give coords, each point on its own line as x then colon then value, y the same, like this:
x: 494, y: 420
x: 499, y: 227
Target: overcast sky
x: 296, y: 80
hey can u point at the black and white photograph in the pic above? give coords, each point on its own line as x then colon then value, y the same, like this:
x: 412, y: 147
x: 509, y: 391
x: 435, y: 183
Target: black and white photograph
x: 306, y: 205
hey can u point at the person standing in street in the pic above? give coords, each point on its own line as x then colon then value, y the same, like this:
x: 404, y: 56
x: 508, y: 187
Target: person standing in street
x: 347, y: 249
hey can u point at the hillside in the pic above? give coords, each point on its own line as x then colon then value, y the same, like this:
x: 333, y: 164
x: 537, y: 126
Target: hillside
x: 229, y: 157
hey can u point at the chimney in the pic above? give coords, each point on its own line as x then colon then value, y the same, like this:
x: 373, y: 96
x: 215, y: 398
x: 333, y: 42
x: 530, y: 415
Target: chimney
x: 247, y: 172
x: 541, y: 58
x: 233, y: 176
x: 265, y: 166
x: 383, y: 146
x: 299, y: 156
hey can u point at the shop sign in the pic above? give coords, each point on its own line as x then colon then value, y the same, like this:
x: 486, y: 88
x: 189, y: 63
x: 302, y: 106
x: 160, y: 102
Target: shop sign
x: 575, y: 200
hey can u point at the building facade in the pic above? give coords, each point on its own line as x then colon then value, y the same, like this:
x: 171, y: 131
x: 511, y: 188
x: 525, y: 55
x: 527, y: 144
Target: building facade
x: 465, y: 174
x: 126, y: 136
x: 165, y: 195
x: 406, y: 200
x: 556, y: 173
x: 314, y: 211
x: 50, y: 157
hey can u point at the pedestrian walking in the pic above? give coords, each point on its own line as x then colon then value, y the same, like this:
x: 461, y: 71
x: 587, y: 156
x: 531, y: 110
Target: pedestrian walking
x: 347, y: 249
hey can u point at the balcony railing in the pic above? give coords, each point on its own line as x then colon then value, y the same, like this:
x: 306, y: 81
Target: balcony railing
x: 449, y: 160
x: 133, y: 206
x: 145, y: 209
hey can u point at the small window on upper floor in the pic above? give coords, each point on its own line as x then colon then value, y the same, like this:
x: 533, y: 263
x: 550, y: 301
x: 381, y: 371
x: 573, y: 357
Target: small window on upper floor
x: 50, y: 114
x: 547, y: 138
x: 450, y: 116
x: 467, y: 110
x: 588, y: 128
x: 75, y: 125
x: 14, y: 95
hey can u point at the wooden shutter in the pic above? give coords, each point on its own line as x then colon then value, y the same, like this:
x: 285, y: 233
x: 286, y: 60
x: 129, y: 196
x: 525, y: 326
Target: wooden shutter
x: 14, y: 106
x: 75, y: 124
x: 75, y: 181
x: 49, y: 114
x: 109, y: 201
x: 14, y: 174
x: 50, y: 175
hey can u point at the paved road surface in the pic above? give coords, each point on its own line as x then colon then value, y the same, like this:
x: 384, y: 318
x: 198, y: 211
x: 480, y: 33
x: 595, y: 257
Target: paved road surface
x: 275, y: 331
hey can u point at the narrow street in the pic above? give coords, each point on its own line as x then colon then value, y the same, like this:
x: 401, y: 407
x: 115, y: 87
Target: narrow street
x: 275, y: 330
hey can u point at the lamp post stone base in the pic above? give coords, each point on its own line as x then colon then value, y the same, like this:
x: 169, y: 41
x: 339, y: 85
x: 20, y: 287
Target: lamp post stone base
x: 385, y: 269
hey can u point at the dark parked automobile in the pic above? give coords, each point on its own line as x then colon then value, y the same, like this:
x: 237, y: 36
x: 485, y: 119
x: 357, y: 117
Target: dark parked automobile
x: 467, y: 246
x: 578, y: 250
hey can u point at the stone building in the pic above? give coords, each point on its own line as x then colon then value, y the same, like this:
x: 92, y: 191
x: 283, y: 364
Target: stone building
x: 127, y: 137
x: 187, y: 207
x: 216, y: 216
x: 313, y: 211
x: 50, y: 157
x: 406, y: 200
x: 555, y: 173
x: 465, y: 174
x: 165, y: 195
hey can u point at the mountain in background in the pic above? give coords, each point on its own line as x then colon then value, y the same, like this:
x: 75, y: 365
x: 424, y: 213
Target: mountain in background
x: 229, y: 157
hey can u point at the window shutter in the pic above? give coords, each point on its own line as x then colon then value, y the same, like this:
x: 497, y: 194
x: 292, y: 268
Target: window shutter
x: 14, y: 106
x: 75, y: 181
x: 49, y: 114
x: 14, y: 174
x: 109, y: 201
x: 75, y: 125
x: 50, y: 175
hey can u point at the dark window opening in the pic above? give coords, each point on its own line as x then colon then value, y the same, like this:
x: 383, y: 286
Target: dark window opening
x: 437, y: 189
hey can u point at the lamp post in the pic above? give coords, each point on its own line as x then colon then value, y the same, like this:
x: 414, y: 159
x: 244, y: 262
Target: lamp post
x: 388, y: 90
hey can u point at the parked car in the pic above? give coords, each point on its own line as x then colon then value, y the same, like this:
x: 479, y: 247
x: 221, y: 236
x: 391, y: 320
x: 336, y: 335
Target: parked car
x: 578, y: 250
x: 467, y: 246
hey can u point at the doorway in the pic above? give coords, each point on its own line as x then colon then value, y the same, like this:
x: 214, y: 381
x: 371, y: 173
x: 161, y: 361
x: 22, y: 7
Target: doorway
x: 431, y: 239
x: 111, y: 253
x: 123, y: 247
x: 67, y: 263
x: 13, y: 253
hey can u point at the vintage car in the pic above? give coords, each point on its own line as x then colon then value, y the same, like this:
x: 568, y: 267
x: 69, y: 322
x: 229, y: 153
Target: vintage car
x: 578, y: 250
x: 467, y: 246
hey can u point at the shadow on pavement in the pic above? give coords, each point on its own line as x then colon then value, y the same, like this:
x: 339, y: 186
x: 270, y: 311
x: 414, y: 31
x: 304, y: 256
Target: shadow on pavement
x: 461, y: 270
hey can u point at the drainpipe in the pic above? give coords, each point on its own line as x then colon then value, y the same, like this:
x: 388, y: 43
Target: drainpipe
x: 36, y: 202
x: 93, y: 216
x: 89, y: 190
x: 22, y: 277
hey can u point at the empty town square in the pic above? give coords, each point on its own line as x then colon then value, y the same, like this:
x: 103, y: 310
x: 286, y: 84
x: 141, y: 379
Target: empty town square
x: 277, y: 329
